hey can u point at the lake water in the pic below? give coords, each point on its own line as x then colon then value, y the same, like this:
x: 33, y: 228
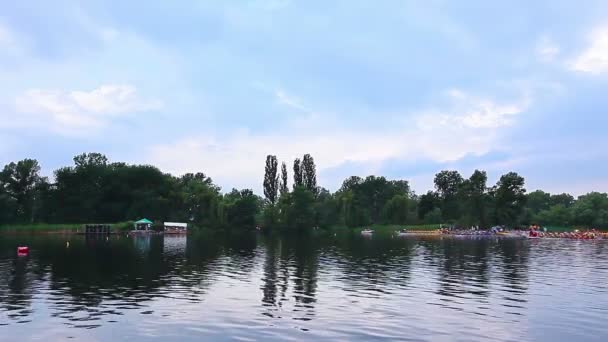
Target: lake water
x: 250, y: 287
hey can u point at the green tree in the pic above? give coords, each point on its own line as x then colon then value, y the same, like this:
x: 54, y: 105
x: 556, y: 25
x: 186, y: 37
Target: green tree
x: 510, y: 199
x: 557, y: 215
x: 298, y: 177
x: 271, y: 181
x: 241, y: 208
x: 427, y: 203
x: 297, y: 210
x: 309, y: 174
x: 434, y: 216
x: 8, y: 205
x: 326, y: 209
x: 396, y: 209
x: 564, y: 199
x: 20, y: 181
x: 473, y: 195
x: 283, y: 189
x: 591, y: 210
x: 199, y: 199
x: 448, y: 184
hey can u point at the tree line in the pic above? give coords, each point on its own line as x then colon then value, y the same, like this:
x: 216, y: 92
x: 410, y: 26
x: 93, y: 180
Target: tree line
x: 456, y: 200
x: 94, y: 189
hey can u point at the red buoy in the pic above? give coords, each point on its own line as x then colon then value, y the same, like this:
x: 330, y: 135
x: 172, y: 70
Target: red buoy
x: 23, y: 250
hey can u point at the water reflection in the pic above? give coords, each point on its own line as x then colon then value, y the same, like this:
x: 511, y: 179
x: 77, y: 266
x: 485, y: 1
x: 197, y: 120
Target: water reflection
x: 251, y: 286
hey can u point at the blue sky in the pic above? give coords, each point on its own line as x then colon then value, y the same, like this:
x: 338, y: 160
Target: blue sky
x: 398, y: 88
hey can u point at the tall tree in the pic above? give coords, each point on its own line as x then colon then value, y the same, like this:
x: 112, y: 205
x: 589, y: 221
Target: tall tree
x: 591, y: 210
x: 564, y: 199
x: 297, y: 209
x: 21, y: 180
x: 427, y: 203
x: 298, y: 179
x: 473, y: 195
x: 510, y: 198
x: 241, y: 208
x: 271, y: 181
x: 309, y: 173
x: 396, y: 209
x: 283, y: 189
x: 447, y: 184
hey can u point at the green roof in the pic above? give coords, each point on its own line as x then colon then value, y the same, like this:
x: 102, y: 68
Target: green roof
x: 145, y: 220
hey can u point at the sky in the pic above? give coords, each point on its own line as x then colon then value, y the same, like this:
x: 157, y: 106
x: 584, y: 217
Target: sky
x: 397, y: 88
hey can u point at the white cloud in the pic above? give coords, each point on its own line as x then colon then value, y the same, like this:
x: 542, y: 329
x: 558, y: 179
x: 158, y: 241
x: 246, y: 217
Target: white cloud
x: 10, y: 42
x: 472, y: 112
x: 594, y: 59
x: 546, y: 49
x: 68, y: 112
x: 469, y: 125
x: 288, y: 100
x: 6, y: 37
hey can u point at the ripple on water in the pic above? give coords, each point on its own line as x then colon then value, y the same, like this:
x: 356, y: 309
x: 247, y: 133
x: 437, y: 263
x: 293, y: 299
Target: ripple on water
x: 309, y: 289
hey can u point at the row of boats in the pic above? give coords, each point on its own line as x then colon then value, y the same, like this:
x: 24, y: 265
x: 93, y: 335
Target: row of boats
x: 531, y: 234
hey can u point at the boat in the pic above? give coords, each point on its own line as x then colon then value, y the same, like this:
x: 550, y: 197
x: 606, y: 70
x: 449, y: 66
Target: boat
x: 367, y: 232
x: 403, y: 232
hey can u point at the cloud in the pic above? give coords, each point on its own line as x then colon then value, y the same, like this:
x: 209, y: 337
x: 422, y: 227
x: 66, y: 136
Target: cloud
x: 288, y: 100
x: 9, y: 42
x: 69, y: 112
x: 473, y: 112
x: 6, y: 37
x: 594, y: 59
x: 546, y: 49
x: 468, y: 125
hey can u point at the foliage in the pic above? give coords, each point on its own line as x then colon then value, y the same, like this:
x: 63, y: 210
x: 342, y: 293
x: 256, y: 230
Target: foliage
x: 427, y: 203
x: 298, y: 177
x: 283, y: 186
x: 396, y: 209
x: 433, y: 216
x: 18, y: 184
x: 241, y: 208
x: 309, y: 173
x: 297, y: 210
x: 474, y: 200
x: 364, y: 200
x: 271, y: 180
x: 93, y: 189
x: 447, y: 184
x: 510, y: 198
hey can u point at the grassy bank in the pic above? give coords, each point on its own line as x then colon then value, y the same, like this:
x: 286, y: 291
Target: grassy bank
x: 384, y: 228
x: 40, y: 227
x: 58, y: 227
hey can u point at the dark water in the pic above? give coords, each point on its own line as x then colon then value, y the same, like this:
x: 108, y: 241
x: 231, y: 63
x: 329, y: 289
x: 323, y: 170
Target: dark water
x: 250, y: 287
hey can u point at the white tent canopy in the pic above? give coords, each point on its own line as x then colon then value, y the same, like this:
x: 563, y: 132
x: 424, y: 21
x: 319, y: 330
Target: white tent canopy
x: 176, y: 224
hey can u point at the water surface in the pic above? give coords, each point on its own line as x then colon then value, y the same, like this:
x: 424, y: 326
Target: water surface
x: 250, y: 287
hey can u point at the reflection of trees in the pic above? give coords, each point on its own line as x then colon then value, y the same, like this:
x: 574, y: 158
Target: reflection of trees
x: 290, y: 260
x: 16, y: 287
x: 269, y: 280
x: 98, y: 276
x: 466, y: 266
x: 515, y: 263
x: 306, y: 254
x: 374, y: 265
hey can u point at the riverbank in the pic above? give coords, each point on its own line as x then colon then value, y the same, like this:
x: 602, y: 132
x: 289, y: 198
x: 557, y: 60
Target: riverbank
x: 58, y: 228
x: 387, y: 229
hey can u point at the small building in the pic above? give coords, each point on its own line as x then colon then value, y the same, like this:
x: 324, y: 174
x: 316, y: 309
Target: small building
x: 175, y: 227
x: 143, y: 224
